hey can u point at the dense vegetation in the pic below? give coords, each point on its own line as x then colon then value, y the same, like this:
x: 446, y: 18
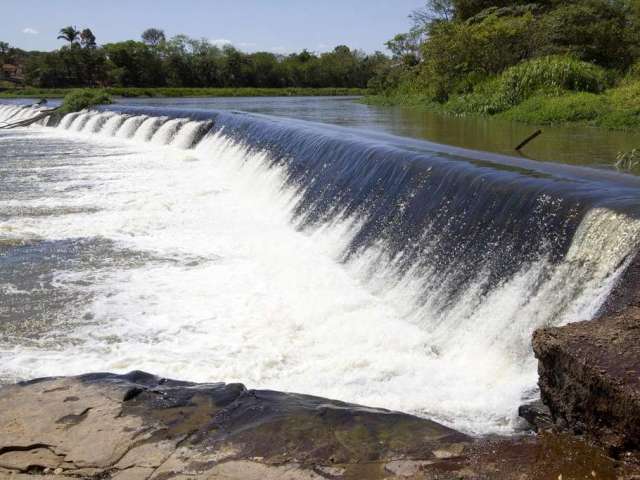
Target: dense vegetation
x: 183, y: 62
x: 545, y: 61
x: 80, y: 99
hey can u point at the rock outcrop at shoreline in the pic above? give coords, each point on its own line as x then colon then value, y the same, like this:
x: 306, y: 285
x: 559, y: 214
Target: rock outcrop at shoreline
x: 138, y: 426
x: 590, y: 378
x: 589, y: 372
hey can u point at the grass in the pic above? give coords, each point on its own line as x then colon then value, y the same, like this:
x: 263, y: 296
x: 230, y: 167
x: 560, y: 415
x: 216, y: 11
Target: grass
x: 570, y: 107
x: 629, y: 161
x: 552, y: 90
x: 188, y: 92
x: 614, y: 109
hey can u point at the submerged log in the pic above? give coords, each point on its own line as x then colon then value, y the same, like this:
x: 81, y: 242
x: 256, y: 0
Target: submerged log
x: 531, y: 137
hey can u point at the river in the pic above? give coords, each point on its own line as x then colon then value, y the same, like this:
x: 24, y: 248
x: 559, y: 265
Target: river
x: 207, y: 244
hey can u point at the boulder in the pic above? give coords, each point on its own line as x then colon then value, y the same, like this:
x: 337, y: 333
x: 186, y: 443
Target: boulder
x: 590, y: 377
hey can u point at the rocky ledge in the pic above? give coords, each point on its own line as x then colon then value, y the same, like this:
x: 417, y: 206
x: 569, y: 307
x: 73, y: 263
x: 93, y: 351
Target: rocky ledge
x: 138, y: 426
x: 590, y: 378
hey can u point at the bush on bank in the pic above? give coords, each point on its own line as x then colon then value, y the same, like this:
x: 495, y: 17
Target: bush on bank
x: 541, y: 61
x: 77, y: 100
x: 547, y: 76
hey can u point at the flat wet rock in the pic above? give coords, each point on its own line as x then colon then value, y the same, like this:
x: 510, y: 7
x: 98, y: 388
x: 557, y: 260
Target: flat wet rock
x: 139, y: 426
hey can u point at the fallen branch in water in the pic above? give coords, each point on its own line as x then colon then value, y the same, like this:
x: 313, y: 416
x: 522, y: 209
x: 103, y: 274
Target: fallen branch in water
x: 29, y: 121
x: 528, y: 139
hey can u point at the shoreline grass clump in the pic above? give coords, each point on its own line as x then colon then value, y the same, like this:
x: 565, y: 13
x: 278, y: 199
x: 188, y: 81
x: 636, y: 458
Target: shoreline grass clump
x: 80, y: 99
x: 552, y: 76
x: 629, y: 161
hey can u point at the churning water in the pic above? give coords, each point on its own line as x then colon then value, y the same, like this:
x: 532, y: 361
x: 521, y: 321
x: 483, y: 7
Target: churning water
x: 233, y: 247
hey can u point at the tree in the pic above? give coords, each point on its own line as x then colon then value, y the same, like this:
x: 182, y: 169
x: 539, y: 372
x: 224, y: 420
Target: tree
x: 87, y: 38
x: 405, y: 47
x: 432, y: 11
x: 70, y: 34
x: 153, y: 37
x: 134, y: 64
x: 591, y: 30
x: 465, y: 9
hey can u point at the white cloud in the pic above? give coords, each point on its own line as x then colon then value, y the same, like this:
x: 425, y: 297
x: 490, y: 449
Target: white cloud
x: 221, y: 42
x: 30, y: 31
x: 279, y: 49
x: 247, y: 45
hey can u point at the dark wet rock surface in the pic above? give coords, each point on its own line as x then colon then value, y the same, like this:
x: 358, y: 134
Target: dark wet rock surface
x: 590, y: 378
x: 537, y: 414
x: 139, y: 426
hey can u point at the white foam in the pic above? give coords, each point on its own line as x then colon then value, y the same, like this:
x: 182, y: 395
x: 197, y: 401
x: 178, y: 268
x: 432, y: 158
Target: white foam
x: 236, y: 293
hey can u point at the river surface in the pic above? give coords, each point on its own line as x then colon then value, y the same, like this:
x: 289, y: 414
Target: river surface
x: 576, y: 145
x: 208, y: 245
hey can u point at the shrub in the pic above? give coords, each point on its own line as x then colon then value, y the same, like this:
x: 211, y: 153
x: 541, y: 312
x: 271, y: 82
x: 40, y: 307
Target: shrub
x: 544, y: 77
x: 77, y: 100
x: 550, y: 74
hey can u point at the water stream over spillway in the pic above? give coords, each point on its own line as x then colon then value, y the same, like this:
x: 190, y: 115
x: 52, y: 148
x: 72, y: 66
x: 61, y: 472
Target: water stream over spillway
x: 289, y: 255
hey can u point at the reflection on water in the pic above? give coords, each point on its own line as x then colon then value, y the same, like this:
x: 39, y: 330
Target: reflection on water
x: 577, y: 145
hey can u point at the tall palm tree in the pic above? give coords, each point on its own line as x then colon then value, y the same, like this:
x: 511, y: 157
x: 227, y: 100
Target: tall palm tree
x: 70, y: 34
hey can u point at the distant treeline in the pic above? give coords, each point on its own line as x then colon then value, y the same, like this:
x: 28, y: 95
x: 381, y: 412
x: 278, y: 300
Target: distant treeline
x: 30, y: 92
x: 182, y: 61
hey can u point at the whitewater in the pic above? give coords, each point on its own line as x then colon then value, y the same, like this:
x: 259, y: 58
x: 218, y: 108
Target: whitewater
x: 197, y: 249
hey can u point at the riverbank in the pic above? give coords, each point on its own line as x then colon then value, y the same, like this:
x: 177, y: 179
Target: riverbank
x: 616, y: 108
x: 190, y: 92
x: 139, y: 426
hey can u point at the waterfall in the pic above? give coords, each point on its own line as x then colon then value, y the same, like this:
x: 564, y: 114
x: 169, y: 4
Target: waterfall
x: 130, y: 126
x: 110, y: 127
x: 470, y: 252
x: 14, y: 113
x: 461, y: 227
x: 97, y: 121
x: 167, y: 131
x: 146, y: 130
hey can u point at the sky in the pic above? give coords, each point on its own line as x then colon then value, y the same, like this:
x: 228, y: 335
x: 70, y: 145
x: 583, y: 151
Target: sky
x: 279, y: 26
